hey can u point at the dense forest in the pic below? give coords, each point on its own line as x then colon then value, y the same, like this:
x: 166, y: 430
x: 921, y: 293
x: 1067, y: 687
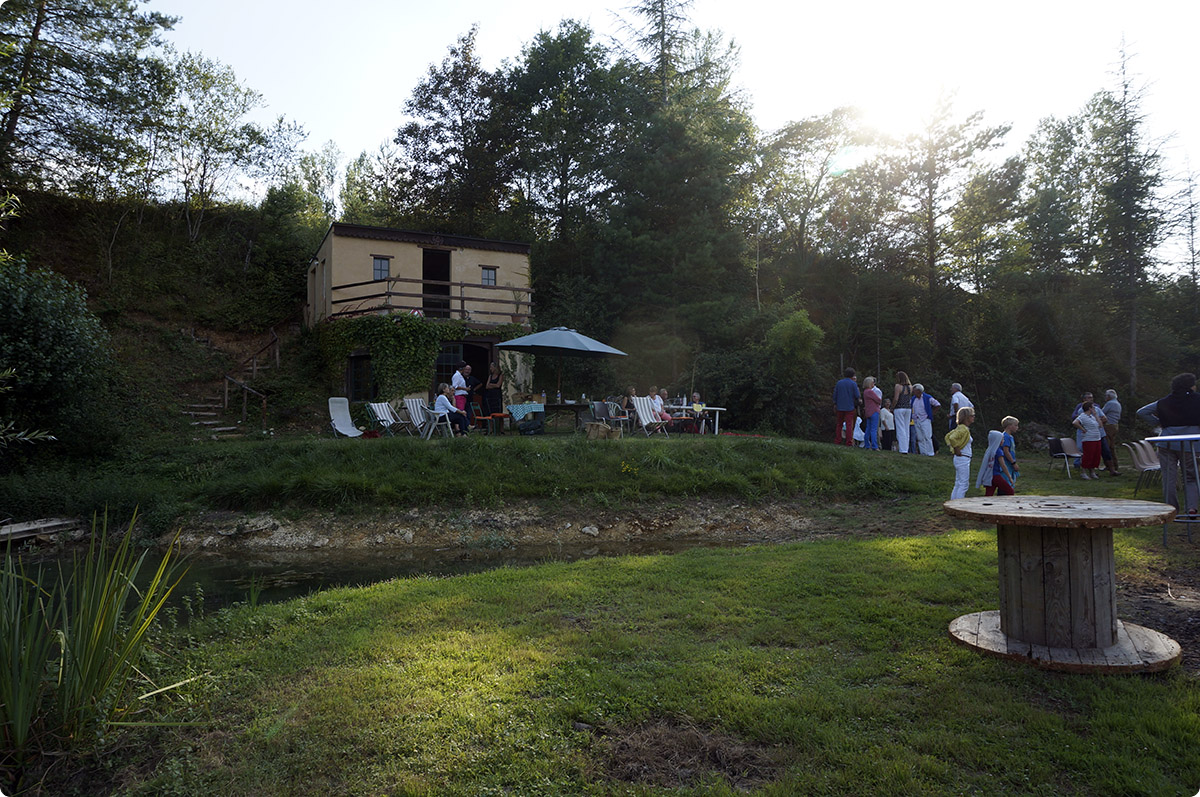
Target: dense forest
x: 748, y: 264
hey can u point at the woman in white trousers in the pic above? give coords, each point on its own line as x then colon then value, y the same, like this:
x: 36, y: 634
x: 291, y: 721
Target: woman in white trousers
x: 902, y: 410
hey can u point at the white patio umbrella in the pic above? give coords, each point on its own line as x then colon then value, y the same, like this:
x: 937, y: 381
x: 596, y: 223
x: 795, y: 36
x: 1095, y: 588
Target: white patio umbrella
x: 562, y: 342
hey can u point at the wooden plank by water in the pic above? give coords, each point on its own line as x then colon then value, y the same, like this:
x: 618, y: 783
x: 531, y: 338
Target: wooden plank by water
x: 32, y: 528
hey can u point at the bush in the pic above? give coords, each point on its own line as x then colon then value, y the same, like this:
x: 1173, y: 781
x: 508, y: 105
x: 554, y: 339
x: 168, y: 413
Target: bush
x: 59, y: 352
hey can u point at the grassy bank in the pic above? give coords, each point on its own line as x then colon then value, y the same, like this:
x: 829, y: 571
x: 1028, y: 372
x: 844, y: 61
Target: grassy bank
x: 358, y: 475
x: 820, y: 668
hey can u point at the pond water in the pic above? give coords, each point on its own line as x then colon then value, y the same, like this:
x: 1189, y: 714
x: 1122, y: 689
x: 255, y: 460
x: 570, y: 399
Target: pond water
x: 225, y: 579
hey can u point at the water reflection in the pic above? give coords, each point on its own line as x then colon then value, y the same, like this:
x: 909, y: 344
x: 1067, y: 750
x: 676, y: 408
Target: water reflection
x: 225, y: 579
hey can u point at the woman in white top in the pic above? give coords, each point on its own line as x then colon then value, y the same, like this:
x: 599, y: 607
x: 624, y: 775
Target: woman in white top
x: 1088, y: 421
x: 444, y: 406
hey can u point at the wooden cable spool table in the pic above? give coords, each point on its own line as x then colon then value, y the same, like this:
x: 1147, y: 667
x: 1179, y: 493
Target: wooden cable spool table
x: 1057, y: 585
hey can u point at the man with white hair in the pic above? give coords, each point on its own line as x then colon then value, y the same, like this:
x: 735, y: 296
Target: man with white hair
x: 1112, y: 415
x: 958, y: 400
x: 923, y: 406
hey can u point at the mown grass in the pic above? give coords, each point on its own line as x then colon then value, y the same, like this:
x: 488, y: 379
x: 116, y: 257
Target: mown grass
x: 831, y: 659
x: 355, y: 475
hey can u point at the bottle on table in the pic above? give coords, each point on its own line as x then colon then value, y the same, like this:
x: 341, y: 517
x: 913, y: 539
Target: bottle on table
x: 558, y: 397
x: 543, y: 396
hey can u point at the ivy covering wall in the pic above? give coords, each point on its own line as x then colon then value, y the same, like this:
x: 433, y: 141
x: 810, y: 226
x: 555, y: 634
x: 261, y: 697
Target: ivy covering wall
x: 403, y: 348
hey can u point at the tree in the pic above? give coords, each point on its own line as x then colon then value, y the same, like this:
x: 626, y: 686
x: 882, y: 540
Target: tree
x: 561, y: 99
x: 319, y: 171
x: 457, y: 158
x: 210, y: 140
x: 1129, y: 222
x: 72, y: 75
x: 937, y: 163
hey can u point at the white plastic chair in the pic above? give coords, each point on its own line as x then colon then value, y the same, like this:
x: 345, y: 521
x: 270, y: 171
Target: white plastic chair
x: 437, y: 421
x: 1146, y: 469
x: 339, y: 418
x: 647, y: 419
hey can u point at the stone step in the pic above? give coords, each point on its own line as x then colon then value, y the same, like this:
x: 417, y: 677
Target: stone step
x: 199, y: 414
x: 205, y: 423
x: 226, y: 429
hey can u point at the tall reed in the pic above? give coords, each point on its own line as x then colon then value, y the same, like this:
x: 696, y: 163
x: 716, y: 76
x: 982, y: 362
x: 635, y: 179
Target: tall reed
x: 104, y: 630
x: 29, y: 625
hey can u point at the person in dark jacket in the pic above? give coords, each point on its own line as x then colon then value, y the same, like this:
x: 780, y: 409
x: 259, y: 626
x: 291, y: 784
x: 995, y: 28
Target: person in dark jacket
x: 846, y: 400
x: 1178, y: 413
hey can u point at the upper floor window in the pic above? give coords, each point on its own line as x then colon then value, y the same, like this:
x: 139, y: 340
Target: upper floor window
x: 489, y: 275
x: 382, y: 267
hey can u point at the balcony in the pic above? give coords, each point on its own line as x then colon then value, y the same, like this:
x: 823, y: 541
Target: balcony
x: 479, y: 305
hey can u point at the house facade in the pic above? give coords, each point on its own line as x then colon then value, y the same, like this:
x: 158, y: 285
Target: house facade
x: 359, y: 270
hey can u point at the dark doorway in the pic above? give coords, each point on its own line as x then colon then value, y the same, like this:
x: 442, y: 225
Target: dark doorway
x: 476, y: 355
x: 435, y: 273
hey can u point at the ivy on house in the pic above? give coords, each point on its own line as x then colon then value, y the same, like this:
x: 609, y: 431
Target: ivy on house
x: 403, y: 348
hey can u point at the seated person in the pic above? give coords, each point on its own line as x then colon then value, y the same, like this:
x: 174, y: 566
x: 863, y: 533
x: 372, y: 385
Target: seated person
x: 444, y: 405
x: 656, y: 404
x: 627, y: 402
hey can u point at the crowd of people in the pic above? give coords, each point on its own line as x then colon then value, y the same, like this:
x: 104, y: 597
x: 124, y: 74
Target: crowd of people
x: 904, y: 423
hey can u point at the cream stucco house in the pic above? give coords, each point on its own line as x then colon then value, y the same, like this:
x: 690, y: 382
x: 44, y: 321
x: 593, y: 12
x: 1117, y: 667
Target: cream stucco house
x: 359, y: 270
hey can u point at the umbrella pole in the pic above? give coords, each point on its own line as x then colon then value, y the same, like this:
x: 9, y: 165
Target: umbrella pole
x: 560, y: 375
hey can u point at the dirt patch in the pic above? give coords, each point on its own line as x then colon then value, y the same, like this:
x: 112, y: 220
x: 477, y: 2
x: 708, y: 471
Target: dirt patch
x: 673, y: 753
x: 1169, y: 604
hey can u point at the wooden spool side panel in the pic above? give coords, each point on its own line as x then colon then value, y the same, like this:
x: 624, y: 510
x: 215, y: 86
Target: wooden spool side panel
x: 1056, y: 583
x: 1008, y: 543
x: 1032, y: 595
x: 1083, y: 589
x: 1104, y: 583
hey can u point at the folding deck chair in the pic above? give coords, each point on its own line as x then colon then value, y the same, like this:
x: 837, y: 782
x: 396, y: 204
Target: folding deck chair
x: 339, y: 418
x: 646, y: 417
x: 387, y: 419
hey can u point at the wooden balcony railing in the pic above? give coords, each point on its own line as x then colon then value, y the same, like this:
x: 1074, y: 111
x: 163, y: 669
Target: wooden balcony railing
x: 473, y: 302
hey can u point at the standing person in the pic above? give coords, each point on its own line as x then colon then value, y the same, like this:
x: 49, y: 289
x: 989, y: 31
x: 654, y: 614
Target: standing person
x: 493, y: 390
x: 959, y: 441
x: 1088, y: 421
x: 902, y: 410
x: 1105, y: 453
x: 994, y: 473
x: 958, y: 400
x: 1008, y: 446
x: 846, y: 398
x: 872, y: 398
x: 458, y: 383
x: 1112, y: 422
x: 1178, y: 413
x: 923, y: 406
x: 887, y: 426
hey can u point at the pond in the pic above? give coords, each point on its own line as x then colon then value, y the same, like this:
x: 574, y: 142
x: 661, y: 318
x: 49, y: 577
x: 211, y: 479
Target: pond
x: 225, y: 579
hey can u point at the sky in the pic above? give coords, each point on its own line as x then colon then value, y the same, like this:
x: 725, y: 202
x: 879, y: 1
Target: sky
x: 344, y: 69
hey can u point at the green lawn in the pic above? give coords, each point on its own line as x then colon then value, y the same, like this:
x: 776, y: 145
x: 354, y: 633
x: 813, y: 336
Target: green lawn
x: 809, y: 668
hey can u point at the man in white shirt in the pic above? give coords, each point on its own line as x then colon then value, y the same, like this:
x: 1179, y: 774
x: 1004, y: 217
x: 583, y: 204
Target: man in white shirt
x: 958, y: 400
x: 923, y: 406
x: 459, y: 382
